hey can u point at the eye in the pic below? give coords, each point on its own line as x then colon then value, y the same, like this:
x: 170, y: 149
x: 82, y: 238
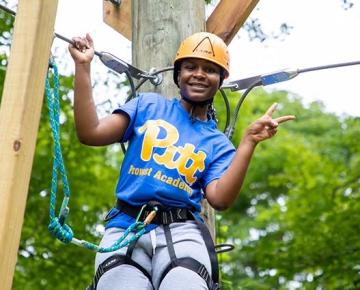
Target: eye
x: 189, y: 66
x: 210, y: 70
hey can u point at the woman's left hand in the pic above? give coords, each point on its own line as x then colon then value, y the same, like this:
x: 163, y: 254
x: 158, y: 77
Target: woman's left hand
x: 265, y: 127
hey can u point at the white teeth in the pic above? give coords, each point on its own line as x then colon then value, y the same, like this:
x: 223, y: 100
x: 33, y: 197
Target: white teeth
x: 198, y: 85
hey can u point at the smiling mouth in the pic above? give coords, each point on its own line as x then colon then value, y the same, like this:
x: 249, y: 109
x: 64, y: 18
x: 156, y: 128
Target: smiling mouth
x: 197, y: 85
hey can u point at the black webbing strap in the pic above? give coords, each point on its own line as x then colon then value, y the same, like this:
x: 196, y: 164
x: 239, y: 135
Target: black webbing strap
x: 131, y: 248
x: 169, y: 243
x: 163, y: 215
x: 195, y: 266
x: 211, y: 249
x: 115, y: 261
x: 112, y: 262
x: 187, y: 262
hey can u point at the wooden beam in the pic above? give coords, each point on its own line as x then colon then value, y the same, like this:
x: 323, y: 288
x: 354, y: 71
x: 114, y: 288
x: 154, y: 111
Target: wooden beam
x: 19, y: 120
x: 228, y: 17
x: 118, y: 17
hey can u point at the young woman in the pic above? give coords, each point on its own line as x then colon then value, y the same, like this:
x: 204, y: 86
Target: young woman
x: 175, y: 158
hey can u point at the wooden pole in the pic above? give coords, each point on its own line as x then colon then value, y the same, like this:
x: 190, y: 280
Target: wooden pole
x: 19, y: 120
x: 158, y: 27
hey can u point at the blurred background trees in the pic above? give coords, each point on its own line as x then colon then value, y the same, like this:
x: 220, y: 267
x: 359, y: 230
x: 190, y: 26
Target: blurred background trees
x: 295, y: 223
x: 294, y: 226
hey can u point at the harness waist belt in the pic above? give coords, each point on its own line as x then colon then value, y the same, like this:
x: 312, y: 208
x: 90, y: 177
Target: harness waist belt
x: 163, y: 216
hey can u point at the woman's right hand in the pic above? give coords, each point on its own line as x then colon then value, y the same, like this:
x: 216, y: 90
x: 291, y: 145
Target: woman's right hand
x: 82, y: 49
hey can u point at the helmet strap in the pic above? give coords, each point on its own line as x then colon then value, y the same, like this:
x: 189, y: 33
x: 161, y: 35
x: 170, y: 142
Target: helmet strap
x: 212, y: 113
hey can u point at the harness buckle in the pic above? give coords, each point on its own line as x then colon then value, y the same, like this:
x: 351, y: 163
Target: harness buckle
x: 150, y: 215
x: 204, y: 273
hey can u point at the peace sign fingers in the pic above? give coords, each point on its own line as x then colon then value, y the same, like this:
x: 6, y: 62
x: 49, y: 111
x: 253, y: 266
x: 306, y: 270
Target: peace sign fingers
x: 271, y: 110
x: 283, y: 119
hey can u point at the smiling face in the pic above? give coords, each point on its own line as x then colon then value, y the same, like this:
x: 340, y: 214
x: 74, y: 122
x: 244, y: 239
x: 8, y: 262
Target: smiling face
x: 198, y: 79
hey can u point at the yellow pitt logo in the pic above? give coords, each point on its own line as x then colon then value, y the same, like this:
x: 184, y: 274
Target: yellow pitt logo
x: 182, y: 158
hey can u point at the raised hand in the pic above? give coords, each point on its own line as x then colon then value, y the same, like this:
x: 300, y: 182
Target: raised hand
x: 82, y: 49
x: 265, y: 127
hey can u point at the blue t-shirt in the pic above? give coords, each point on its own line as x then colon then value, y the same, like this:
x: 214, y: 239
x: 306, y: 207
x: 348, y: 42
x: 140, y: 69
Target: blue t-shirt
x: 171, y: 157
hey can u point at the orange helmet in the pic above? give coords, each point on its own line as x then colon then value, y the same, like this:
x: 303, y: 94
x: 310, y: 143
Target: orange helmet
x: 206, y: 46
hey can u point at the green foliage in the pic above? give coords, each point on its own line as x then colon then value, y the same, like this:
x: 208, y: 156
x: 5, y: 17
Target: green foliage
x: 6, y: 23
x: 294, y: 225
x: 42, y: 259
x: 296, y: 220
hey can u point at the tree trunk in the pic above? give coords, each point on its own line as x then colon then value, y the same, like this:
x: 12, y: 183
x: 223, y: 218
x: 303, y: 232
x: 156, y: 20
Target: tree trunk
x: 158, y: 27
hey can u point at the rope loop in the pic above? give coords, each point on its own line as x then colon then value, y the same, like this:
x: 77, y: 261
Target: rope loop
x: 62, y: 232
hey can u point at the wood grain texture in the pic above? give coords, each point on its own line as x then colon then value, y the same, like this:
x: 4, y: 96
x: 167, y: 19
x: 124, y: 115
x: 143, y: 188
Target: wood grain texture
x: 19, y: 120
x: 228, y: 17
x: 118, y: 17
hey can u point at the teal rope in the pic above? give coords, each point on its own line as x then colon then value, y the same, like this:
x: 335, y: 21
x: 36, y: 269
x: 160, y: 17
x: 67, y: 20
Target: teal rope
x: 57, y: 226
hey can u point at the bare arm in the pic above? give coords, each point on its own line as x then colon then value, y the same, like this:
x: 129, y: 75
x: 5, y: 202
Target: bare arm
x: 222, y: 193
x: 90, y: 130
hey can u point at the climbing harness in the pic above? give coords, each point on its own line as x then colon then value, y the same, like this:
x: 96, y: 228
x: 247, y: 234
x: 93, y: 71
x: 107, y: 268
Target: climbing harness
x: 165, y: 217
x: 115, y: 261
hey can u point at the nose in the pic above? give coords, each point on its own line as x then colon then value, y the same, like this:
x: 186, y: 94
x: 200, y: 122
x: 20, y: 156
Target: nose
x: 199, y: 72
